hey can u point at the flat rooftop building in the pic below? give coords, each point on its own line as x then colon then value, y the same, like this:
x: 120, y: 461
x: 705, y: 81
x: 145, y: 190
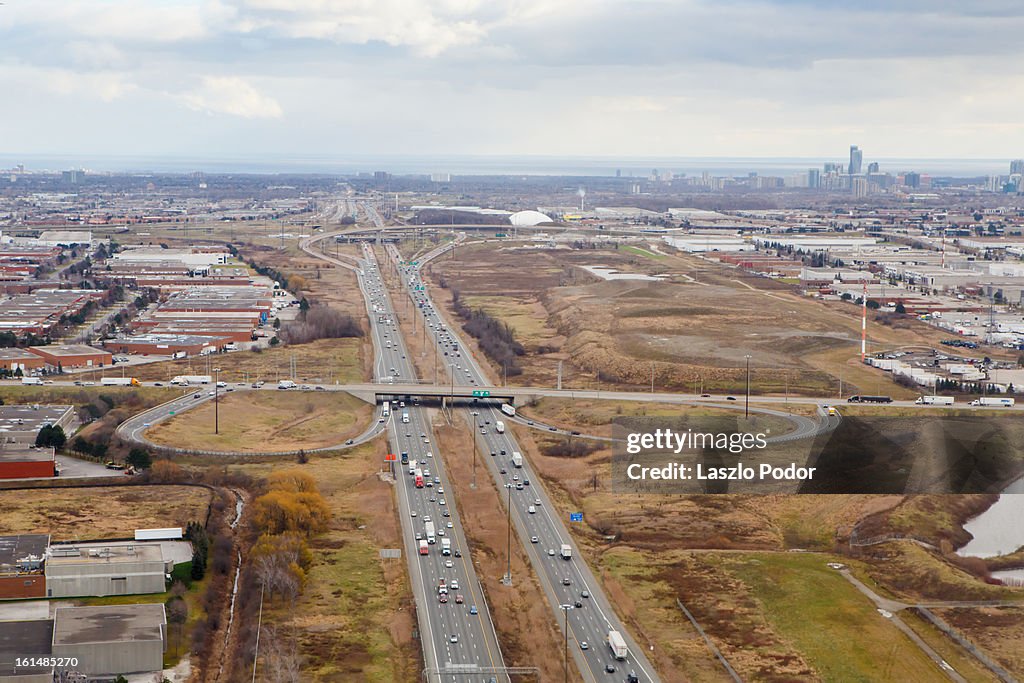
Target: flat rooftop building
x: 21, y: 566
x: 165, y: 344
x: 117, y: 569
x: 72, y: 355
x: 21, y: 423
x: 19, y: 359
x: 112, y: 639
x: 21, y: 638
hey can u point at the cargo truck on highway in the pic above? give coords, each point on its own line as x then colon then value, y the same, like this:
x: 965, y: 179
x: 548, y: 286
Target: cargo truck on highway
x: 566, y: 551
x: 993, y: 401
x: 424, y: 548
x: 617, y: 644
x: 446, y: 546
x: 517, y: 459
x: 405, y: 417
x: 185, y: 380
x: 869, y: 399
x: 32, y: 381
x: 499, y: 427
x: 935, y: 400
x: 508, y: 409
x: 431, y: 535
x: 119, y: 382
x: 419, y: 479
x: 286, y: 384
x: 412, y: 467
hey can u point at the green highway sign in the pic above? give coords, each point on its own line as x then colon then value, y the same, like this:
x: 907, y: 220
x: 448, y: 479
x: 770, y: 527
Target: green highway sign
x: 481, y: 393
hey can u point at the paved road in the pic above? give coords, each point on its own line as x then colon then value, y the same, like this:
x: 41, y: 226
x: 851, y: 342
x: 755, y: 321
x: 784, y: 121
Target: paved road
x: 410, y: 433
x: 564, y: 582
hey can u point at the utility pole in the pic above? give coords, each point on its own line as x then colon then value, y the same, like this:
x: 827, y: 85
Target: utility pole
x: 652, y: 376
x: 746, y: 407
x: 565, y: 649
x: 216, y: 401
x: 508, y: 551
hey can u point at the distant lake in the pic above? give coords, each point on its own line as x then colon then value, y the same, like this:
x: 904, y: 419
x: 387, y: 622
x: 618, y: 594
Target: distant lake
x: 1000, y: 529
x: 639, y: 167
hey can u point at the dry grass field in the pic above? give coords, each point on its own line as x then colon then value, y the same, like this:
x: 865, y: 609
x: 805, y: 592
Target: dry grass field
x: 355, y: 620
x: 100, y: 512
x: 695, y: 327
x: 267, y: 421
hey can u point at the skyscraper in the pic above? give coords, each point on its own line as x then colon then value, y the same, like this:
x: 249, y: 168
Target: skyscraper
x: 856, y: 157
x: 1017, y: 166
x: 873, y: 167
x: 813, y: 178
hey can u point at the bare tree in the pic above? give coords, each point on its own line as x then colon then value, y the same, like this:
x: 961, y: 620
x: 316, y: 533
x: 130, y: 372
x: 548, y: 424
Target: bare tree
x: 281, y: 659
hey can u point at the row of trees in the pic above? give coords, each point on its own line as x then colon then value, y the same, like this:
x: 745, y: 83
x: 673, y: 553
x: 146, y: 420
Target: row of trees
x: 496, y: 338
x: 320, y: 322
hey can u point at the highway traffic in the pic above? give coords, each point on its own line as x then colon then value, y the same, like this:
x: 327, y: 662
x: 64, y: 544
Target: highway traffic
x: 456, y: 628
x: 568, y: 583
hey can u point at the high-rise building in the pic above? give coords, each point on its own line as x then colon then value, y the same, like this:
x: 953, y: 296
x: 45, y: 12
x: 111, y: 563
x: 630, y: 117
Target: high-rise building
x: 856, y: 159
x: 1017, y: 166
x: 859, y: 186
x: 873, y: 167
x: 813, y: 178
x: 912, y: 179
x: 72, y: 177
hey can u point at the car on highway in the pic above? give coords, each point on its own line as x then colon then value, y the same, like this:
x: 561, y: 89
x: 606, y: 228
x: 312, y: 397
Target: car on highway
x: 551, y: 552
x: 537, y: 502
x: 609, y: 668
x: 534, y: 539
x: 585, y: 594
x: 454, y: 585
x: 566, y: 581
x: 705, y: 395
x: 730, y: 398
x: 446, y: 514
x: 448, y: 564
x: 426, y: 518
x: 442, y: 598
x: 532, y: 510
x: 449, y: 525
x: 579, y: 604
x: 473, y: 610
x: 454, y: 638
x: 457, y: 553
x: 198, y: 396
x: 458, y: 598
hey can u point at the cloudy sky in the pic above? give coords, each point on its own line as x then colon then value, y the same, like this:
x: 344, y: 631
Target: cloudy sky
x: 225, y: 78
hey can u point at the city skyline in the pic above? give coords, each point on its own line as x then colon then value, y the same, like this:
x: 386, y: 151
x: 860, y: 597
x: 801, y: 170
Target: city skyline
x: 698, y: 79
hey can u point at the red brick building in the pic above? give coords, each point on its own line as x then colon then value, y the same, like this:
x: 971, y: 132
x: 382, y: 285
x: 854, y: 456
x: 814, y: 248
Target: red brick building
x: 72, y: 356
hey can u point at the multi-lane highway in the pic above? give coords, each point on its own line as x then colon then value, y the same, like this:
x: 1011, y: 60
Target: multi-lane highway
x: 568, y: 584
x: 456, y: 628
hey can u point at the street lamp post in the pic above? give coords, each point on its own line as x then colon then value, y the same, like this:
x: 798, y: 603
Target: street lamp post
x: 216, y: 401
x: 565, y: 650
x: 508, y: 551
x: 746, y: 407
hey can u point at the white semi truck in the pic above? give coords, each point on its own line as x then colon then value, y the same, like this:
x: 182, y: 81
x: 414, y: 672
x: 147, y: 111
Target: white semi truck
x: 617, y: 644
x: 566, y: 551
x: 499, y: 427
x: 431, y: 536
x: 508, y: 409
x: 935, y: 400
x: 185, y: 380
x: 993, y: 401
x: 119, y: 382
x: 446, y: 546
x: 517, y: 459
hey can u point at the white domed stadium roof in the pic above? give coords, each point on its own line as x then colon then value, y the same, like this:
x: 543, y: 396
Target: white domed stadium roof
x: 529, y: 218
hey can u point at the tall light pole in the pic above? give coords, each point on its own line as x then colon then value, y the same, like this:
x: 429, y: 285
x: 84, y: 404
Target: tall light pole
x: 508, y: 551
x: 216, y: 402
x: 746, y: 407
x: 565, y: 654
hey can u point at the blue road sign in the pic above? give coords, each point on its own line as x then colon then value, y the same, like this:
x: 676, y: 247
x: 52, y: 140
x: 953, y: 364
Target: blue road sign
x: 575, y: 516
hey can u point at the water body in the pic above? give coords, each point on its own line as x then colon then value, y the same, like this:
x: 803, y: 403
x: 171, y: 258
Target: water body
x: 1000, y: 529
x: 525, y: 165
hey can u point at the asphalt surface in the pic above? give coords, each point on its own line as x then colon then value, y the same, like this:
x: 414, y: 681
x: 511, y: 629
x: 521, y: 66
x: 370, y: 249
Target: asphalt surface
x: 564, y: 582
x: 476, y: 641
